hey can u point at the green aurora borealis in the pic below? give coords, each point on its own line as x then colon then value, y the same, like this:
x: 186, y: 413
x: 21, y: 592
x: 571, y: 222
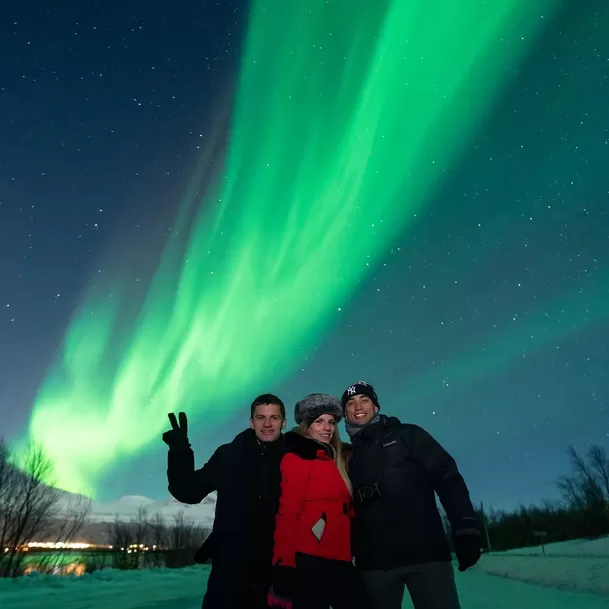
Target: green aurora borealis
x: 342, y: 118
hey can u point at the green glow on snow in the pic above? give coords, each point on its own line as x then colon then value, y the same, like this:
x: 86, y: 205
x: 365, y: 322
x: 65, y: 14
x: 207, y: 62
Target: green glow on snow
x: 346, y: 116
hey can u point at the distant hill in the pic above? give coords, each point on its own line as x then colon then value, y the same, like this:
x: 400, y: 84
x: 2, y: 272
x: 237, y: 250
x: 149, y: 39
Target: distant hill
x: 126, y: 507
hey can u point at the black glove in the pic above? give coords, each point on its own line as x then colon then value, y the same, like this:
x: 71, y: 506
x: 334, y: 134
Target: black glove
x: 177, y: 436
x: 467, y: 548
x: 284, y: 581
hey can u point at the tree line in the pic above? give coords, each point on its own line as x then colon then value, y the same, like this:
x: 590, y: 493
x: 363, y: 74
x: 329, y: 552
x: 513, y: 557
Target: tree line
x: 582, y: 512
x: 145, y: 541
x: 31, y: 509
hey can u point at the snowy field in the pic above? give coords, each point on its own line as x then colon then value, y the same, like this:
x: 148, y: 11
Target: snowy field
x: 578, y: 565
x: 573, y: 575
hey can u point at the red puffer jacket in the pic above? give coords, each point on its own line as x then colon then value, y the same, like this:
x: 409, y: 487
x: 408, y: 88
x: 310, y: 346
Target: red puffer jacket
x: 311, y: 489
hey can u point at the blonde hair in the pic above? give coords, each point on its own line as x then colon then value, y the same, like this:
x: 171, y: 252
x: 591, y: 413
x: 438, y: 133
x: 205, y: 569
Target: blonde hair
x: 336, y: 445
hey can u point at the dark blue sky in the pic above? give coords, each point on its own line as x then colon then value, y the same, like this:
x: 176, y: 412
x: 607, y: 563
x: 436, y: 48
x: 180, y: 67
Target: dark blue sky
x: 487, y: 321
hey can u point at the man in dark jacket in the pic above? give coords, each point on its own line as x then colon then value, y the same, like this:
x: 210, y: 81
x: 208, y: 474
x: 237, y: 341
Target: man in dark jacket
x: 245, y: 473
x: 398, y: 537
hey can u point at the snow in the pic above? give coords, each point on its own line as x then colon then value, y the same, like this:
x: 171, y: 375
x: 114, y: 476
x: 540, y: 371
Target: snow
x: 569, y: 565
x: 565, y: 573
x: 108, y: 588
x: 573, y: 575
x: 183, y: 589
x: 574, y: 547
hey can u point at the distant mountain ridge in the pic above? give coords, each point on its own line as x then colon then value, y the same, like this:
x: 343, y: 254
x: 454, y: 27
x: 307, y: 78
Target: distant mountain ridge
x: 126, y: 507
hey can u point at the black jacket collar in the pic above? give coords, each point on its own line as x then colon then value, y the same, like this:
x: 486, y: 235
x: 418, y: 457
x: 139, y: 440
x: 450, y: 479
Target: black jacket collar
x: 385, y: 425
x: 247, y: 440
x: 307, y: 448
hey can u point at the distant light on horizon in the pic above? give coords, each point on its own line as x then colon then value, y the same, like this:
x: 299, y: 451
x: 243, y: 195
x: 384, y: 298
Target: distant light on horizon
x: 62, y: 545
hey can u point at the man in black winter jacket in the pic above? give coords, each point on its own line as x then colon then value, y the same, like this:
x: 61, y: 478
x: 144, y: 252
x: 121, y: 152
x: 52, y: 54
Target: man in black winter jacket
x: 245, y: 473
x: 398, y: 536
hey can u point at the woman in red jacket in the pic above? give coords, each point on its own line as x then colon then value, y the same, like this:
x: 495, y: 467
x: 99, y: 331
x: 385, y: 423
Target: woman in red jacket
x: 312, y: 559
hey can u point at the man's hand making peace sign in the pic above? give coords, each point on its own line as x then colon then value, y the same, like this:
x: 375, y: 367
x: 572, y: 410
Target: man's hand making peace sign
x: 177, y: 436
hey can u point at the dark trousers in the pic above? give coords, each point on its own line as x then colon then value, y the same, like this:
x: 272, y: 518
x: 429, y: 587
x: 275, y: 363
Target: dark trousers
x: 230, y: 589
x: 324, y: 583
x: 431, y: 586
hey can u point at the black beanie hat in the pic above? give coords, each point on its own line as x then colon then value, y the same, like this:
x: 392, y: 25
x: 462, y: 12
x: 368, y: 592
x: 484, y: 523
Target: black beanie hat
x: 316, y: 404
x: 359, y: 388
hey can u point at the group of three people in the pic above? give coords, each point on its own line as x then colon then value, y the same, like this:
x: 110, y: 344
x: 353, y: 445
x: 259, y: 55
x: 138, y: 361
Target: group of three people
x: 304, y: 520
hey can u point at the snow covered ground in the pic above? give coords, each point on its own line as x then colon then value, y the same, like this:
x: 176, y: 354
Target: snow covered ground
x: 183, y: 589
x: 573, y: 575
x: 578, y: 565
x: 574, y: 547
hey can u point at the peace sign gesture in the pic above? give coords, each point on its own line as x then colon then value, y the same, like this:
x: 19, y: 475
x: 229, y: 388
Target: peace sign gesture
x: 178, y: 434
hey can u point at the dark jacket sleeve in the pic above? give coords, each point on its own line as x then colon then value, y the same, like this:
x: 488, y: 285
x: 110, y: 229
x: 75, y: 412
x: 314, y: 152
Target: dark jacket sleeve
x: 190, y: 485
x: 446, y: 479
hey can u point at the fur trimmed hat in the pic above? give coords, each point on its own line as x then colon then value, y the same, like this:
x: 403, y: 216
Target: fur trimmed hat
x: 316, y: 404
x: 360, y: 388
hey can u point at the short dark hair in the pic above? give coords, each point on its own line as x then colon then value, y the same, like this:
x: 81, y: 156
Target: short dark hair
x: 267, y: 398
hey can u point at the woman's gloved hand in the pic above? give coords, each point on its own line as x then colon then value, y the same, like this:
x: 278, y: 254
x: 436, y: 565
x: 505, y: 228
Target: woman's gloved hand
x: 282, y: 589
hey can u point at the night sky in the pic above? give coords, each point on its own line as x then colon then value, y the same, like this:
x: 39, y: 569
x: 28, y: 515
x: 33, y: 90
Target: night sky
x: 485, y: 320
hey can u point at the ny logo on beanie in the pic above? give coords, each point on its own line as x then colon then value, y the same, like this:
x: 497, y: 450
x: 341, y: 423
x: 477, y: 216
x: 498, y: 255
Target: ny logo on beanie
x: 353, y: 389
x: 359, y: 388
